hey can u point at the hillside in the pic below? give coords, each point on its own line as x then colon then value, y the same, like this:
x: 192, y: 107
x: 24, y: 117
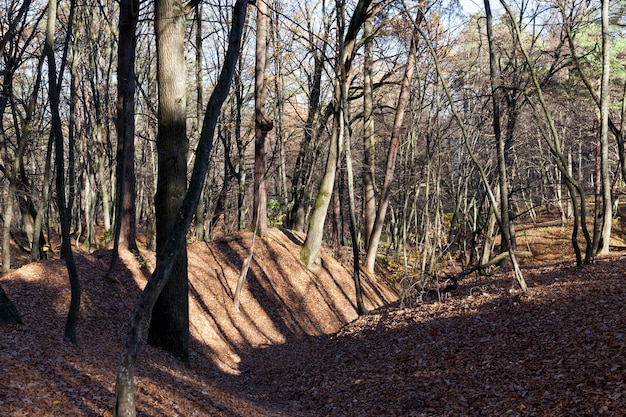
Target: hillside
x: 485, y: 351
x: 281, y: 302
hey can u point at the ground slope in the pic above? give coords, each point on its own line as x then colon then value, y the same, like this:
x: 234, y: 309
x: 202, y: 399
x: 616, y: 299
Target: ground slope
x: 484, y: 351
x: 281, y: 302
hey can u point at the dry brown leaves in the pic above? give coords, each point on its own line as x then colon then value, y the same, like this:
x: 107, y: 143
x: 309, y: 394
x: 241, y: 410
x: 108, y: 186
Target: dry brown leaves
x: 485, y: 351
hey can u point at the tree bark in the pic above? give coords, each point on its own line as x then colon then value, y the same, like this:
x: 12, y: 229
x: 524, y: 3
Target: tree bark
x: 169, y: 326
x: 505, y: 232
x: 125, y: 227
x: 167, y: 258
x: 296, y: 218
x: 607, y: 216
x: 262, y: 125
x: 369, y: 137
x: 385, y: 195
x: 71, y: 322
x: 312, y: 245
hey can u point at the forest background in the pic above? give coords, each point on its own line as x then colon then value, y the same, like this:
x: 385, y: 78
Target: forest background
x: 406, y: 123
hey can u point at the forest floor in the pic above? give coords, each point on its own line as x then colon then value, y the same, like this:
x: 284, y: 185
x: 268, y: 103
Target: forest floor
x: 297, y: 348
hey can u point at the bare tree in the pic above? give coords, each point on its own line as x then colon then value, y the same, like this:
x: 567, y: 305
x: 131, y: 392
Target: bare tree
x: 403, y: 99
x: 167, y: 257
x: 262, y: 125
x: 125, y: 227
x: 169, y: 325
x: 310, y: 251
x: 64, y: 214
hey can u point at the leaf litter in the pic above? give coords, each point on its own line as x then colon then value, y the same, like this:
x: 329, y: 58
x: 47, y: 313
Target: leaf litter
x: 298, y: 349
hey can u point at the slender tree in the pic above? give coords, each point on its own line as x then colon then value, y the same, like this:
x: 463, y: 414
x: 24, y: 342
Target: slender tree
x: 262, y: 125
x: 64, y: 214
x: 369, y: 135
x: 503, y: 182
x: 403, y: 100
x: 125, y: 228
x: 312, y: 245
x: 605, y: 174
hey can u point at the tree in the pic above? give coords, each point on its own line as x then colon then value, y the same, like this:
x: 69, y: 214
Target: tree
x: 369, y: 134
x: 168, y: 257
x: 552, y: 138
x: 125, y: 228
x: 317, y: 46
x: 310, y: 250
x: 262, y: 125
x: 494, y: 77
x: 71, y: 322
x: 607, y: 216
x: 169, y: 326
x: 403, y: 100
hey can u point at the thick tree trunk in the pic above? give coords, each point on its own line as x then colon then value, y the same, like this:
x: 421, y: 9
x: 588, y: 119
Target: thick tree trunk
x: 169, y: 326
x: 167, y: 258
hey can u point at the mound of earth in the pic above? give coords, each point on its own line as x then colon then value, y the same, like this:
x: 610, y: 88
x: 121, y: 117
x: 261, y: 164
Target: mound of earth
x: 281, y: 302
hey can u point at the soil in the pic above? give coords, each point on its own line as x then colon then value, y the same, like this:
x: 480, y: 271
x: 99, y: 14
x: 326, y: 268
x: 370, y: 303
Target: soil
x: 297, y: 348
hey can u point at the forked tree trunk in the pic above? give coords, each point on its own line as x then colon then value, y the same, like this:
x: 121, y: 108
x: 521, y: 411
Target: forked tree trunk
x: 57, y: 132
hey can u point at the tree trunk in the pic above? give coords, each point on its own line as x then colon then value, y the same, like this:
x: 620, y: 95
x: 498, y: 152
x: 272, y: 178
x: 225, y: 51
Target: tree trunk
x: 369, y: 138
x: 262, y: 125
x: 296, y: 218
x: 312, y: 245
x: 125, y: 227
x: 167, y: 258
x: 6, y: 228
x: 385, y: 195
x: 344, y: 130
x: 607, y: 216
x: 64, y: 214
x: 200, y: 213
x: 169, y: 326
x: 552, y: 138
x: 494, y: 79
